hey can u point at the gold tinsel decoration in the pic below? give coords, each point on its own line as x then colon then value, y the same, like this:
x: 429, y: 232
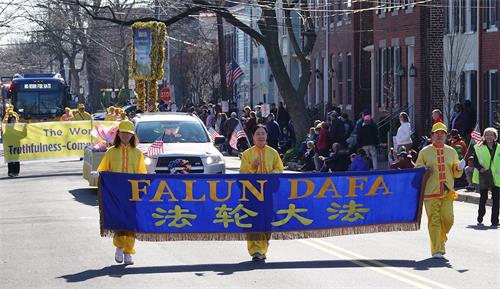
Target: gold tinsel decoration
x: 153, y: 96
x: 140, y: 89
x: 158, y: 32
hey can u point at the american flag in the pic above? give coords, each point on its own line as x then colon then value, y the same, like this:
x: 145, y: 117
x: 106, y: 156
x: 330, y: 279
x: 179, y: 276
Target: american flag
x: 476, y: 135
x: 155, y: 148
x: 212, y: 133
x: 238, y: 133
x: 233, y: 74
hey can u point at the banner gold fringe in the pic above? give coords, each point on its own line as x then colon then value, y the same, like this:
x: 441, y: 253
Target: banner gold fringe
x: 281, y: 235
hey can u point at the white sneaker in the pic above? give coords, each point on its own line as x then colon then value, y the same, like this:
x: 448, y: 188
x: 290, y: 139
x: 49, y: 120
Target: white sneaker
x: 119, y: 255
x: 438, y: 256
x: 128, y: 259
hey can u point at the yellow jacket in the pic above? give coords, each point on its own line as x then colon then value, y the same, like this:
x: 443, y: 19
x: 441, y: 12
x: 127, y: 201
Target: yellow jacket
x: 6, y: 117
x: 82, y: 116
x: 270, y: 161
x: 110, y: 117
x: 428, y: 158
x: 124, y: 159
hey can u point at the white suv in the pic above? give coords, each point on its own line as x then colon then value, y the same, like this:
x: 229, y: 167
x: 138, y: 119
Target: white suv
x: 185, y: 140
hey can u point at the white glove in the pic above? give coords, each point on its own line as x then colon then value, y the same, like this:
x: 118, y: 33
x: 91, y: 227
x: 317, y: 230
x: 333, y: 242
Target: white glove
x: 94, y: 174
x: 461, y: 165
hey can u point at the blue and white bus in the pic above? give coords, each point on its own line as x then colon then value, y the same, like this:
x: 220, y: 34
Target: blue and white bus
x: 39, y: 97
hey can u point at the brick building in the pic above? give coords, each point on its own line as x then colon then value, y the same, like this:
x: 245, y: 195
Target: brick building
x: 489, y: 64
x: 346, y: 66
x: 407, y: 60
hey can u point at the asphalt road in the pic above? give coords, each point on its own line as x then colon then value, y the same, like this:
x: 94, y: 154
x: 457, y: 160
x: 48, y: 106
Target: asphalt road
x: 49, y: 238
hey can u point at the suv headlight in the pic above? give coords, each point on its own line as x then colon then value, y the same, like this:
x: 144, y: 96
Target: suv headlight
x: 213, y: 159
x: 148, y: 161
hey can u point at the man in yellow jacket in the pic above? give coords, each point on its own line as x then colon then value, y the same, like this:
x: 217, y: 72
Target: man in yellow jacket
x: 442, y: 164
x: 124, y: 157
x: 81, y: 114
x: 260, y: 159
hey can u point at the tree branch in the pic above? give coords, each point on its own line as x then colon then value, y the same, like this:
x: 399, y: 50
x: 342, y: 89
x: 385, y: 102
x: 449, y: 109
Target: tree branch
x: 224, y: 13
x: 113, y: 19
x: 291, y: 34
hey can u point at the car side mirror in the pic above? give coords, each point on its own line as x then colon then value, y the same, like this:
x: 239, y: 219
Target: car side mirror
x: 220, y: 140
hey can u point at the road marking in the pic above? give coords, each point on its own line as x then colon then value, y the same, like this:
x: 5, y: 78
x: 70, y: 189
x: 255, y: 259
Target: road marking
x: 384, y: 269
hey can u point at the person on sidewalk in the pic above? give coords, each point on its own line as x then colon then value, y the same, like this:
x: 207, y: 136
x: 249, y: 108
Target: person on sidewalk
x: 469, y: 171
x: 403, y: 136
x: 124, y: 157
x: 260, y: 159
x: 487, y: 174
x: 368, y: 139
x: 442, y: 167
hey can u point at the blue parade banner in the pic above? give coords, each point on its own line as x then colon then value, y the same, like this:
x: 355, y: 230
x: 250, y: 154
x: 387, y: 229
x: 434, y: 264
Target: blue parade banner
x: 227, y: 207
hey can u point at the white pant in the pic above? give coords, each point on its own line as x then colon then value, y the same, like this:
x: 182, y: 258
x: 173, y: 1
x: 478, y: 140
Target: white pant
x: 371, y: 151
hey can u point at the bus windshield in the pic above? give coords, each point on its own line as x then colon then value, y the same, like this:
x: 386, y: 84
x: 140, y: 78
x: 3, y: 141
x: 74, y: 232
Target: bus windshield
x: 39, y: 102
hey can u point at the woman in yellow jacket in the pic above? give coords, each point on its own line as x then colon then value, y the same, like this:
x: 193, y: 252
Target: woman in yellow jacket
x: 124, y: 157
x: 260, y: 159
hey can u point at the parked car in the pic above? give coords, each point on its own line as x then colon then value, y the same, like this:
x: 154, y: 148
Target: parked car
x: 186, y: 143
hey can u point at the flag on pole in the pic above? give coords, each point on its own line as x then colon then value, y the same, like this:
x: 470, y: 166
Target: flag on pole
x: 238, y: 133
x: 155, y: 148
x: 233, y: 74
x: 476, y: 135
x: 212, y: 133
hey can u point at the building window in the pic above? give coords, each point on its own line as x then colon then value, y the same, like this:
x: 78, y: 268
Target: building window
x: 492, y: 94
x: 246, y: 48
x: 349, y: 79
x: 340, y: 79
x: 381, y: 75
x: 347, y: 10
x: 468, y: 87
x: 381, y: 8
x: 397, y: 77
x: 491, y: 15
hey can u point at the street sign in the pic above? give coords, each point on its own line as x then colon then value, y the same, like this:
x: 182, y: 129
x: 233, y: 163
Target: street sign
x: 165, y: 94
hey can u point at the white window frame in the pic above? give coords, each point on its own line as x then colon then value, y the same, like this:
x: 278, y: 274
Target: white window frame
x: 492, y: 25
x: 489, y: 97
x: 468, y: 19
x: 451, y: 16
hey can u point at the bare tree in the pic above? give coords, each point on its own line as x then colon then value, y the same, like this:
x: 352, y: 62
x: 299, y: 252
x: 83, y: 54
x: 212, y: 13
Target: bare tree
x: 201, y: 72
x: 24, y: 57
x: 60, y: 34
x: 267, y: 35
x: 8, y: 13
x: 456, y: 53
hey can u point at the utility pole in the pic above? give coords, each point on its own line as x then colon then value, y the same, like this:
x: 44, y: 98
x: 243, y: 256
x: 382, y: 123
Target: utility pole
x: 326, y: 62
x: 251, y: 55
x: 222, y: 58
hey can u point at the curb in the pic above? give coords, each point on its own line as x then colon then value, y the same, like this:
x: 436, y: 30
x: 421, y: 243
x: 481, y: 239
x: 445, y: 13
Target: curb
x: 470, y: 197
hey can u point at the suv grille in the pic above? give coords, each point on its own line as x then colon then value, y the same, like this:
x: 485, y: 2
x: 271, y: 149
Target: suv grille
x: 163, y: 162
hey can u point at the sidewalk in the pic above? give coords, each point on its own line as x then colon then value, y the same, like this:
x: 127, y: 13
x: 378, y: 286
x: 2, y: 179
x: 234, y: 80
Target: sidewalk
x: 471, y: 197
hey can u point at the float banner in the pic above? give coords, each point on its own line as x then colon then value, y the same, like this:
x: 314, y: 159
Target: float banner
x: 49, y: 140
x: 227, y: 207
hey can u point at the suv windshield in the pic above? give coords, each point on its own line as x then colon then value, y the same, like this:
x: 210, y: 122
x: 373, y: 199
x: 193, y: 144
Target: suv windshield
x: 171, y: 131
